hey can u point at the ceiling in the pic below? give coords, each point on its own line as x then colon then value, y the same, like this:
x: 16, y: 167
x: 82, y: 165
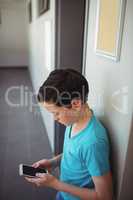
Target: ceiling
x: 4, y: 3
x: 10, y: 1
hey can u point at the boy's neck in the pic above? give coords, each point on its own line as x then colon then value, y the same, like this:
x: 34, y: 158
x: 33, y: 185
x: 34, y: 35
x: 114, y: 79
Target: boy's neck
x: 84, y: 118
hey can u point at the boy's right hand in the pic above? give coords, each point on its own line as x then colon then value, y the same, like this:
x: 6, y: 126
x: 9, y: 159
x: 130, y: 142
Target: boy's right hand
x: 44, y: 163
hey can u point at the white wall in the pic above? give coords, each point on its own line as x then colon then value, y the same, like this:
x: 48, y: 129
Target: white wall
x: 13, y: 34
x: 111, y: 88
x: 41, y: 42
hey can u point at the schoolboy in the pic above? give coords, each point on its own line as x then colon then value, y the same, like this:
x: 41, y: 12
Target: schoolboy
x: 85, y: 169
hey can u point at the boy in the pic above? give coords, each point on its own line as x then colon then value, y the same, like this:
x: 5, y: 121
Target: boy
x: 85, y: 170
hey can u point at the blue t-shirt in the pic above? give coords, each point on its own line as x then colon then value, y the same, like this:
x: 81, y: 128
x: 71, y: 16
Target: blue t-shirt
x: 84, y: 155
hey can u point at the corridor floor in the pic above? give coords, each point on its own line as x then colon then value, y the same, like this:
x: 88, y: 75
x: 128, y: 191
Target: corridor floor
x: 23, y: 137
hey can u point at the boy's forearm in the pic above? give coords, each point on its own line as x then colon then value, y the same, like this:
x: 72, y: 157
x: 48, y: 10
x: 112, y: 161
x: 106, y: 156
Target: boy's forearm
x: 55, y: 161
x: 83, y: 193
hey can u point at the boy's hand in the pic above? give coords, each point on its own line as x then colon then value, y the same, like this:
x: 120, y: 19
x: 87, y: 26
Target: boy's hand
x: 45, y: 163
x: 43, y: 180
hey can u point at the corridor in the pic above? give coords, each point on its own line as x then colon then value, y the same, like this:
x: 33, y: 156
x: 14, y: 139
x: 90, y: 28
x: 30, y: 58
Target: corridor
x: 23, y: 137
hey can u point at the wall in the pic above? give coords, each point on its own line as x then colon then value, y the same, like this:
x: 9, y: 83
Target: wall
x: 41, y: 43
x: 111, y: 93
x: 13, y: 34
x: 126, y: 191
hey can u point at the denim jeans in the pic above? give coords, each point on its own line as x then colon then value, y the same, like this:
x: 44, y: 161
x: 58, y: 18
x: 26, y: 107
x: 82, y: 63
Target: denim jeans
x: 58, y: 196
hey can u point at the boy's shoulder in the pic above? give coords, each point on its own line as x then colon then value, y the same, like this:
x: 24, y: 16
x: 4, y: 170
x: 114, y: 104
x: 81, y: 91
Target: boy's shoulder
x: 95, y: 141
x: 95, y: 131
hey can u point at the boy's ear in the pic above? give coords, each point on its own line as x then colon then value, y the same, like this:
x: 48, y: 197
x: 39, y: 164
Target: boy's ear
x: 76, y: 103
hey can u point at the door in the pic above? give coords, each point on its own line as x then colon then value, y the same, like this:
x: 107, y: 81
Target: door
x: 70, y: 17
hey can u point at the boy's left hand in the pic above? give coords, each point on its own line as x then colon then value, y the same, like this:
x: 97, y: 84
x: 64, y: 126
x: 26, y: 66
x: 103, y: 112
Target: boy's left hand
x: 43, y: 180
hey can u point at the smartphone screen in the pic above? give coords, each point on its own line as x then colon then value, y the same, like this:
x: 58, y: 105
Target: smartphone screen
x: 30, y: 171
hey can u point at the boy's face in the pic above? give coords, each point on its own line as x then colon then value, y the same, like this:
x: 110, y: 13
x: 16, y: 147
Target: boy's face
x: 63, y: 115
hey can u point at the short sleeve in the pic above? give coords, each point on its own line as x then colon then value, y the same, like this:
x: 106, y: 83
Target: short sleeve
x: 97, y: 159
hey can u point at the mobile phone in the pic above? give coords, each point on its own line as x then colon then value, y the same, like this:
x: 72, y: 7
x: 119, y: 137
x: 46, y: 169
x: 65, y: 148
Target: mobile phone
x: 27, y: 170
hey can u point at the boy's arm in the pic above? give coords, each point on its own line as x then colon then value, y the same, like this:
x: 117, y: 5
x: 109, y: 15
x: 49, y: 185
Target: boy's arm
x: 102, y: 191
x: 55, y: 161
